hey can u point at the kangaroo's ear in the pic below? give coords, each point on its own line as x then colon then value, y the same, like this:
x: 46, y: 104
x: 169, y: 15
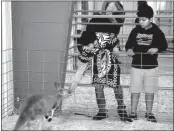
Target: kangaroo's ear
x: 57, y: 85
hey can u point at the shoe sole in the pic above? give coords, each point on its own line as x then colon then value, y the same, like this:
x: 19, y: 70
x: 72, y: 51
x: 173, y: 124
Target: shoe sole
x: 128, y: 120
x: 99, y: 117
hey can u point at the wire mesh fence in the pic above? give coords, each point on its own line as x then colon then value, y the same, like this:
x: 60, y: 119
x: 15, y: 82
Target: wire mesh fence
x: 85, y: 93
x: 7, y: 83
x: 82, y: 14
x: 28, y: 80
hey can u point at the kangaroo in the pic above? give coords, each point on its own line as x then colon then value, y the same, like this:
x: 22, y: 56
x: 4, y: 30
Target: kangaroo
x: 39, y: 106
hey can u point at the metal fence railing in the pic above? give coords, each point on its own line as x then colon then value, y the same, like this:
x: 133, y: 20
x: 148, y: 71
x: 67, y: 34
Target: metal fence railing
x: 85, y: 96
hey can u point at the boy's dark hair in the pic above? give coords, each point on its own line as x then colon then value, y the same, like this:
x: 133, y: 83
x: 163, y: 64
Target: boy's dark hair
x: 142, y: 3
x: 145, y: 11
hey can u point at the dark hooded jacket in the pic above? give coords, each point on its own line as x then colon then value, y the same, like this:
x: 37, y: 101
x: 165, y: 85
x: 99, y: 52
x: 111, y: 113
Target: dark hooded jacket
x: 141, y: 40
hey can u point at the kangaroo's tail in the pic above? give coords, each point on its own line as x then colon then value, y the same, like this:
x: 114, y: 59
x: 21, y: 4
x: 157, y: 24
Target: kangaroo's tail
x: 21, y: 122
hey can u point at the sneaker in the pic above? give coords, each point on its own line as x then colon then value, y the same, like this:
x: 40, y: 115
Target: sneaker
x: 150, y: 117
x: 100, y: 115
x: 123, y: 114
x: 133, y: 116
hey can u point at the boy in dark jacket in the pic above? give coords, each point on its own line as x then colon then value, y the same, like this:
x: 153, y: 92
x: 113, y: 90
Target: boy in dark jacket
x: 143, y: 44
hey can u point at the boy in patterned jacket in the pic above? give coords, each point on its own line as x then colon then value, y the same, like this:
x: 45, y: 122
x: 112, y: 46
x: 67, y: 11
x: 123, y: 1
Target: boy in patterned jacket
x: 105, y: 67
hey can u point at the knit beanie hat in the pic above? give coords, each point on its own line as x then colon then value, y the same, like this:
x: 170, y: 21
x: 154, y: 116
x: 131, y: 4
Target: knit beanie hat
x: 145, y: 11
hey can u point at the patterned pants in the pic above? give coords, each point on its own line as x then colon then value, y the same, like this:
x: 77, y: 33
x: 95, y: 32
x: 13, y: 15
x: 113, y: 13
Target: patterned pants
x: 107, y: 65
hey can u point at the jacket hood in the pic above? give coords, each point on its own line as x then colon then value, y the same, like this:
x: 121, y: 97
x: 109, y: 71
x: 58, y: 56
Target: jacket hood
x: 154, y: 27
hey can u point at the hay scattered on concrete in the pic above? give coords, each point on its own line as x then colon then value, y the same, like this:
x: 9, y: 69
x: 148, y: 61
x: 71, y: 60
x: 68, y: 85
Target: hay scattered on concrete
x: 84, y: 102
x: 81, y: 123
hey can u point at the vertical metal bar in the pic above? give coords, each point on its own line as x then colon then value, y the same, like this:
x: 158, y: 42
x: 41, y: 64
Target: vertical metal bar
x: 157, y: 20
x: 158, y: 13
x: 75, y: 40
x: 141, y: 60
x: 6, y: 85
x: 75, y: 44
x: 124, y: 63
x: 67, y: 47
x: 172, y: 29
x: 58, y: 71
x: 7, y: 58
x: 157, y: 95
x: 6, y: 64
x: 133, y: 19
x: 28, y: 74
x: 65, y: 56
x: 155, y: 9
x: 141, y: 75
x: 170, y: 21
x: 124, y: 71
x: 43, y: 78
x: 12, y: 78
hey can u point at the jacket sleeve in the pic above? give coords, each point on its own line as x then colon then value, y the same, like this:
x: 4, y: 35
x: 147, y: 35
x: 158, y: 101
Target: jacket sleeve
x: 159, y: 41
x: 131, y: 40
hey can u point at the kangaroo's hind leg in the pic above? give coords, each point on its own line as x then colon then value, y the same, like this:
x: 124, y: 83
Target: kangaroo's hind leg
x: 52, y: 113
x: 47, y: 114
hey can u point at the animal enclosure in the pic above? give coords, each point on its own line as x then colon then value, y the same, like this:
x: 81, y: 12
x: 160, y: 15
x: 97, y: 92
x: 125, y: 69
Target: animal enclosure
x: 39, y: 49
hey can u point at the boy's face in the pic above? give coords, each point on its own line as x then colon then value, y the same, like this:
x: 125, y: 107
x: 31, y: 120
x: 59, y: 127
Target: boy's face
x: 144, y: 22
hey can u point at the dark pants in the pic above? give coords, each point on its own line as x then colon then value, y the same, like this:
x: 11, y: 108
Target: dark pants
x: 100, y: 97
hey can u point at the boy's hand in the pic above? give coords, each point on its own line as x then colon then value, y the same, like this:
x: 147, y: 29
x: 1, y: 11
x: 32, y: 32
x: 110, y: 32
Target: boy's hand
x: 130, y: 52
x: 89, y: 47
x: 96, y: 45
x: 116, y: 51
x: 72, y: 88
x: 152, y: 51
